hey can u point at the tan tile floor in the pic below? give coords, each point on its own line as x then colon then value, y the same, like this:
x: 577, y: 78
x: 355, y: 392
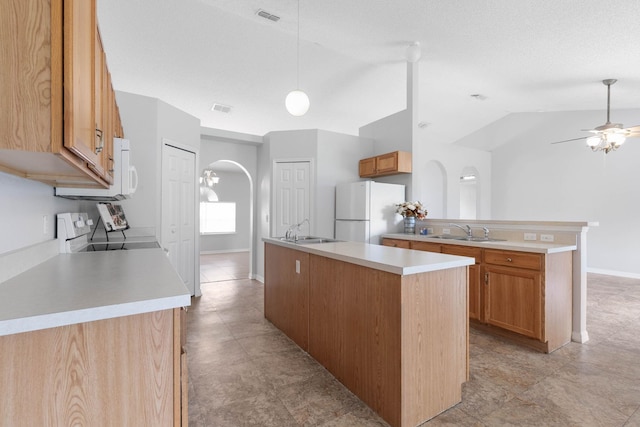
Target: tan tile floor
x: 245, y: 372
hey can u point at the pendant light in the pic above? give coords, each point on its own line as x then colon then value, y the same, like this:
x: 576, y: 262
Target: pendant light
x: 297, y: 102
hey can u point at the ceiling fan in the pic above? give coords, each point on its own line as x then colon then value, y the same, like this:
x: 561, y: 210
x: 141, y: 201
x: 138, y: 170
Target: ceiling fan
x: 609, y: 136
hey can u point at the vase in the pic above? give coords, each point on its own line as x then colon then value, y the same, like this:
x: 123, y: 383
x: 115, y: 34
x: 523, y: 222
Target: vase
x: 410, y: 225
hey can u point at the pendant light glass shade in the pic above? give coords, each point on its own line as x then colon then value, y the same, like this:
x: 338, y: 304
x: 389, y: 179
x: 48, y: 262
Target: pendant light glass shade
x: 297, y: 103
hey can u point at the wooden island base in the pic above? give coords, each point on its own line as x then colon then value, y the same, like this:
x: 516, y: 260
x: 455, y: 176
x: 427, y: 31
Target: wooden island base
x: 398, y: 342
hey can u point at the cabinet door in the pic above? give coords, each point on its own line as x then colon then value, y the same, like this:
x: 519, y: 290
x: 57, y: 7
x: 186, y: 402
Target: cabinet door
x: 475, y: 294
x: 387, y: 163
x: 367, y: 167
x: 79, y: 79
x: 514, y: 300
x: 99, y: 113
x: 396, y: 243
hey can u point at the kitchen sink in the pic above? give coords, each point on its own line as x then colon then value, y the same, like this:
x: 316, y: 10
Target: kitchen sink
x: 309, y: 240
x: 466, y: 238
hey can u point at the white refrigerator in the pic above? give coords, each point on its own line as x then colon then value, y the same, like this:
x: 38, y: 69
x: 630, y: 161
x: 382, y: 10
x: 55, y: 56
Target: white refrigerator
x: 366, y: 209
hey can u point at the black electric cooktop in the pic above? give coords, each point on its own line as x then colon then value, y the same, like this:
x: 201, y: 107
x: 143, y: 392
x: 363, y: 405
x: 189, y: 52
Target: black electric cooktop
x: 119, y: 246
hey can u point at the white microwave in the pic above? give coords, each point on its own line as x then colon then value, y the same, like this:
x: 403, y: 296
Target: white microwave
x: 125, y: 179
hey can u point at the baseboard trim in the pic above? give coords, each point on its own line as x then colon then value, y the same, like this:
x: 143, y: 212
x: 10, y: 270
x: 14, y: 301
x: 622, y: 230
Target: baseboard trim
x: 614, y: 273
x: 223, y: 251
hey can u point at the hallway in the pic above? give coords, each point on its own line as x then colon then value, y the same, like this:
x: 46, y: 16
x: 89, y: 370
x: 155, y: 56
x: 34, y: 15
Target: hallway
x: 244, y: 372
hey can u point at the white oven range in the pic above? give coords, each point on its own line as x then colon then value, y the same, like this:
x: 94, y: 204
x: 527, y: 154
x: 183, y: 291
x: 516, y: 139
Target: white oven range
x: 72, y: 231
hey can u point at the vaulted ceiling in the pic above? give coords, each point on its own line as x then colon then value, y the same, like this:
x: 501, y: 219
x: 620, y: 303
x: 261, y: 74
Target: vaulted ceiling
x: 520, y: 56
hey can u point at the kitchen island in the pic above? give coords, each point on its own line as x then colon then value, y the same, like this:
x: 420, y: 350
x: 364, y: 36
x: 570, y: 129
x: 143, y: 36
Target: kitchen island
x: 99, y: 337
x: 390, y: 324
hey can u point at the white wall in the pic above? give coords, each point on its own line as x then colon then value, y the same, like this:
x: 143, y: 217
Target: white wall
x: 23, y: 203
x: 335, y: 159
x: 535, y: 180
x: 146, y: 122
x: 391, y: 133
x: 430, y: 157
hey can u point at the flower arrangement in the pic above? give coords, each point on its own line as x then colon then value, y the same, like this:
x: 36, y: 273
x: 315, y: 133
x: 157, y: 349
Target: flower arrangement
x: 409, y: 209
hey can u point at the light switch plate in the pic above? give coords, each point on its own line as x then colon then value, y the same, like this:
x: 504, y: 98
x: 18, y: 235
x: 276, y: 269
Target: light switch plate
x: 530, y: 236
x: 546, y: 237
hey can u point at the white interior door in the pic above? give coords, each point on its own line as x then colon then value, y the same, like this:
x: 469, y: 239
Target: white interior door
x: 178, y: 211
x: 292, y: 201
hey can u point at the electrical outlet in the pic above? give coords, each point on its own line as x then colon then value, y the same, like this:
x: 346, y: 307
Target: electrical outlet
x: 546, y: 237
x: 530, y: 236
x: 446, y: 231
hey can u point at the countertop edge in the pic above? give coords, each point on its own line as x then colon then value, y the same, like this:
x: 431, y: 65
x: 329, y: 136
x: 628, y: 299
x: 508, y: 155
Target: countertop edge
x: 53, y: 320
x: 510, y: 245
x: 334, y: 250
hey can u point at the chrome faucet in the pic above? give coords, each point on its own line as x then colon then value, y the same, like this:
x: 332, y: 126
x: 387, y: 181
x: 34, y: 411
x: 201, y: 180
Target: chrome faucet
x: 466, y: 228
x: 292, y: 231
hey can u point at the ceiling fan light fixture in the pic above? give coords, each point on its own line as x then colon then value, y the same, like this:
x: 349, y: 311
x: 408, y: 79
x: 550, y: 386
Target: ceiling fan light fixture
x: 616, y: 139
x: 593, y: 141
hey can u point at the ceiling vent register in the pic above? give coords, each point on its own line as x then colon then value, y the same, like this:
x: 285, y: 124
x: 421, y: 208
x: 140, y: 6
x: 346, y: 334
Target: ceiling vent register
x: 221, y: 108
x: 264, y: 14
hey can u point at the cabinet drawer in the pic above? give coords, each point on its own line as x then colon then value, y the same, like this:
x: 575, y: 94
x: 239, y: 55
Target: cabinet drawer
x: 513, y: 259
x: 463, y: 251
x: 426, y: 246
x: 396, y: 243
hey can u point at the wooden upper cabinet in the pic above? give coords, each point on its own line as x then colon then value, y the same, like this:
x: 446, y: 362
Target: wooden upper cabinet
x: 367, y: 167
x: 79, y: 79
x: 385, y: 164
x: 52, y: 93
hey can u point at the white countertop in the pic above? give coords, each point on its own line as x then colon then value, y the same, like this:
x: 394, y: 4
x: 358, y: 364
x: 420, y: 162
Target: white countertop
x: 392, y: 260
x: 537, y: 247
x: 83, y: 287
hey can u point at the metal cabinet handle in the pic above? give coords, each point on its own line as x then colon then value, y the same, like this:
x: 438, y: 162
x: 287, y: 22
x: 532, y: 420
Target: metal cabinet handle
x: 509, y: 259
x: 101, y: 145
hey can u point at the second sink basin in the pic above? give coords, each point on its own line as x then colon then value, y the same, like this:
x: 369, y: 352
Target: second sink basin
x: 466, y: 238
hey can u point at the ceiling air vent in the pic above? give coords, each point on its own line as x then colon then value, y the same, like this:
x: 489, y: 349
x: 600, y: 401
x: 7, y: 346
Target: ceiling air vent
x: 267, y: 15
x: 221, y: 108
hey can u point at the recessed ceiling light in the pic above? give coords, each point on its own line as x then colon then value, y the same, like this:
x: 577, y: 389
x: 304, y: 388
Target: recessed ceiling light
x: 478, y: 97
x: 221, y: 108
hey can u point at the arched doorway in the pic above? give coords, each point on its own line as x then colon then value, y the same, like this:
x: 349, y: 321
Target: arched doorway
x: 469, y: 197
x: 226, y: 214
x: 434, y: 188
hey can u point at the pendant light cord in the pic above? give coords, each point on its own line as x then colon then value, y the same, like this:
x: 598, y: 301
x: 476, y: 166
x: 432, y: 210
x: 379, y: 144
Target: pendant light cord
x: 298, y: 51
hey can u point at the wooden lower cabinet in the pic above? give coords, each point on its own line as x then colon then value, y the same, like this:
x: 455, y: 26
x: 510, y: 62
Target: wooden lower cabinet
x: 119, y: 371
x: 476, y: 297
x: 523, y: 296
x: 286, y: 298
x: 514, y: 300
